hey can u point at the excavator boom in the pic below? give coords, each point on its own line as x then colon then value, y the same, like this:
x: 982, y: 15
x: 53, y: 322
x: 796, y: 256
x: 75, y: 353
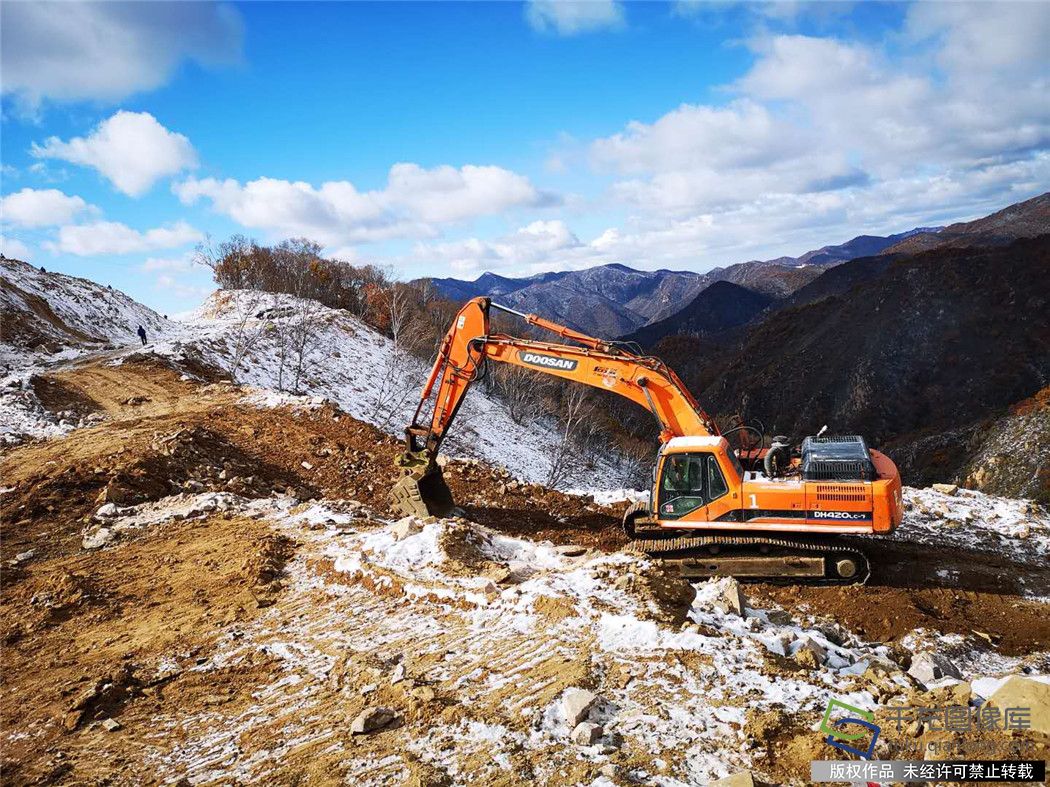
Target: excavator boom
x: 468, y: 346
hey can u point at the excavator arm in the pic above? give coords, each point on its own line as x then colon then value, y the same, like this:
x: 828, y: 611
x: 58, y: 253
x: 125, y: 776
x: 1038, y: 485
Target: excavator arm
x: 461, y: 359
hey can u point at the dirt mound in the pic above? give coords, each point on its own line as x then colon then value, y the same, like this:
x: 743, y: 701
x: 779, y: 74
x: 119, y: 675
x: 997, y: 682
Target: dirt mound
x: 57, y: 395
x: 493, y: 498
x: 167, y: 435
x: 35, y: 324
x: 1011, y: 456
x: 662, y: 592
x: 56, y: 310
x: 1016, y: 626
x: 89, y: 638
x: 469, y: 552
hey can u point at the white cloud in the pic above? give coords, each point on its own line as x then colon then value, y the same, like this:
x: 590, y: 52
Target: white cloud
x: 182, y: 264
x: 12, y: 248
x: 107, y: 51
x: 976, y: 40
x: 893, y: 118
x: 444, y: 193
x: 699, y: 157
x: 174, y: 286
x: 42, y: 207
x: 336, y: 212
x: 538, y: 243
x: 131, y: 149
x: 815, y: 115
x: 765, y: 227
x: 572, y: 17
x: 412, y: 203
x: 110, y: 237
x: 42, y: 173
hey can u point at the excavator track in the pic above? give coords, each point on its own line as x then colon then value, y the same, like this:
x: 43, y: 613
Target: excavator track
x: 770, y: 559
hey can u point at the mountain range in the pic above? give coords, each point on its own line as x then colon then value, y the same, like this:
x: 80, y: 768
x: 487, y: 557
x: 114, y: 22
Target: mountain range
x: 614, y: 299
x: 930, y: 354
x: 1024, y: 220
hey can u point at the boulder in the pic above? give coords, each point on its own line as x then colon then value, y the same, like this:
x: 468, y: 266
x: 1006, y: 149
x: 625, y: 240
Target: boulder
x: 405, y: 527
x: 946, y: 489
x: 98, y: 539
x: 577, y: 704
x: 586, y: 733
x: 810, y: 653
x: 371, y: 719
x: 110, y: 725
x: 570, y: 550
x: 117, y: 492
x: 741, y: 779
x: 665, y: 594
x: 732, y: 599
x: 423, y: 693
x: 779, y: 617
x: 930, y: 667
x: 1021, y: 692
x: 108, y: 510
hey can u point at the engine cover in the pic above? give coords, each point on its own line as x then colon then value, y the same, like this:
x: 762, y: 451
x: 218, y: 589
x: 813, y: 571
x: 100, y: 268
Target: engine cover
x: 838, y: 458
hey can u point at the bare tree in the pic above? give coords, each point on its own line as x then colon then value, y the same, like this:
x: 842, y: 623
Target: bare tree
x: 576, y: 421
x: 232, y: 262
x: 246, y: 329
x: 523, y: 391
x: 278, y: 329
x: 296, y: 267
x: 304, y: 337
x: 427, y: 291
x: 397, y: 383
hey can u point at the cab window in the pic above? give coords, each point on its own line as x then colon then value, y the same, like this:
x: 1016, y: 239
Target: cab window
x: 716, y: 482
x: 688, y: 482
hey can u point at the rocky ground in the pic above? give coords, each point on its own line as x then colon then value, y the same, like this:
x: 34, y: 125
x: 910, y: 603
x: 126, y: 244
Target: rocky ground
x: 200, y: 587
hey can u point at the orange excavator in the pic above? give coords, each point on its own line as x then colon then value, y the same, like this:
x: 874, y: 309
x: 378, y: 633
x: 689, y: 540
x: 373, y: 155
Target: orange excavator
x: 776, y: 512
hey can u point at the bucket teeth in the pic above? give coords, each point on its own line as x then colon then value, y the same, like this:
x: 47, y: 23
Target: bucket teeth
x: 422, y: 493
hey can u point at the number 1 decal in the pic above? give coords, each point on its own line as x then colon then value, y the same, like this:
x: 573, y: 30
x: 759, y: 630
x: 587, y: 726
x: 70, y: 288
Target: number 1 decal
x: 754, y: 501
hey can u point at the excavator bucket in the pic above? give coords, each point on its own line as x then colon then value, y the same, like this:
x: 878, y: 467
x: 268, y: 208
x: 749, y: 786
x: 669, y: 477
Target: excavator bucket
x: 421, y: 491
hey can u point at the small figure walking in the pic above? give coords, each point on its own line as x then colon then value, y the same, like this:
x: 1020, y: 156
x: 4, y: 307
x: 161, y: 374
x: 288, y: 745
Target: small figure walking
x: 142, y: 335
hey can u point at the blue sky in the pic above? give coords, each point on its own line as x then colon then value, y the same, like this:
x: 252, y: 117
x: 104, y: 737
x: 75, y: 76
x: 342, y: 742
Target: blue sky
x: 449, y: 139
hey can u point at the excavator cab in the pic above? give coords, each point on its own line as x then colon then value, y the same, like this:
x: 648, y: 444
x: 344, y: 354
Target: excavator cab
x: 694, y: 473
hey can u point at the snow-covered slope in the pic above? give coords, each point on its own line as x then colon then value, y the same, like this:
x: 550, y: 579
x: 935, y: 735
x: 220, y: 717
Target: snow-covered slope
x: 51, y: 311
x: 367, y: 375
x: 288, y: 349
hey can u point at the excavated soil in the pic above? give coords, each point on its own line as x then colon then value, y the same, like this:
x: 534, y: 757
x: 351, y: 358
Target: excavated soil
x: 89, y: 637
x: 116, y: 634
x: 950, y: 591
x: 163, y: 432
